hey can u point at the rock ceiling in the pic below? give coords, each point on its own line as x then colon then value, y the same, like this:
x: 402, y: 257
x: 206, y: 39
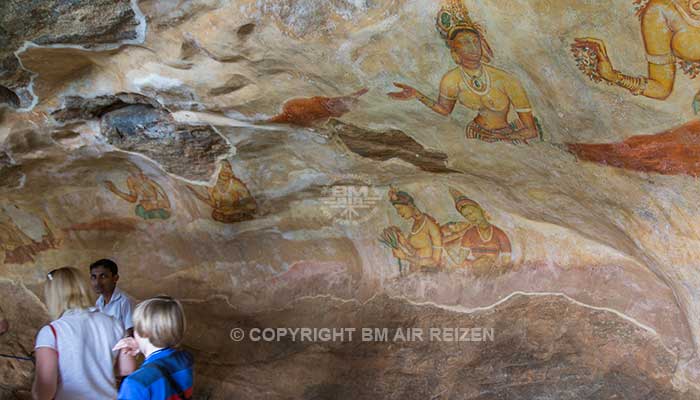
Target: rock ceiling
x: 327, y: 164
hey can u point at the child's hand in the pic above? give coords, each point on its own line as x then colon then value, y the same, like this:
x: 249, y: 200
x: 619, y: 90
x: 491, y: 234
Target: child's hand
x: 129, y: 345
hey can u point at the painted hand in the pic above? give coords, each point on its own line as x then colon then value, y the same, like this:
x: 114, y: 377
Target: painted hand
x: 407, y: 92
x: 602, y: 64
x: 110, y: 186
x: 129, y: 345
x: 398, y: 253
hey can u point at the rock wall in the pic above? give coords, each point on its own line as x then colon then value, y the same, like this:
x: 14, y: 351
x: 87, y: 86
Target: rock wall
x: 244, y: 156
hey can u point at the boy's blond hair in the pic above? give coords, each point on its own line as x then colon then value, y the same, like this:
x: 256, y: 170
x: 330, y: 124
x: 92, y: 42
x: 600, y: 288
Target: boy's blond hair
x: 65, y: 289
x: 161, y: 320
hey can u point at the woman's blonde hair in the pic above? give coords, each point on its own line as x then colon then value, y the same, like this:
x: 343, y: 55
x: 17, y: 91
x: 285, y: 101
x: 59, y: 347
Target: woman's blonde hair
x: 65, y: 289
x: 160, y: 319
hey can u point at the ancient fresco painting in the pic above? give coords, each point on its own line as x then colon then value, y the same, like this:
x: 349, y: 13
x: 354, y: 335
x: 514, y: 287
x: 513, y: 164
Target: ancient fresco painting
x: 17, y: 246
x: 317, y: 109
x: 670, y: 31
x: 476, y: 84
x: 420, y: 248
x: 152, y: 202
x: 229, y: 198
x: 473, y: 245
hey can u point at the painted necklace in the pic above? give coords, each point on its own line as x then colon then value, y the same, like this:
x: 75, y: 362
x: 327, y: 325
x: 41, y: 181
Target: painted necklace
x: 485, y: 240
x: 420, y: 227
x: 479, y: 83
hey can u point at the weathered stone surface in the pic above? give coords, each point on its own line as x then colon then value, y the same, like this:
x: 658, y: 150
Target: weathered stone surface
x: 383, y: 146
x: 188, y: 151
x: 137, y: 123
x: 316, y: 207
x: 543, y: 347
x: 83, y: 23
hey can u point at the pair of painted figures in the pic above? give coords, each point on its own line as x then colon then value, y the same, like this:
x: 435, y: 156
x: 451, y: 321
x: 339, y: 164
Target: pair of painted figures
x: 474, y: 245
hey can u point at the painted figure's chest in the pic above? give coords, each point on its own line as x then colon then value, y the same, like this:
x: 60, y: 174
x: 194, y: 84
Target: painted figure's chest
x: 494, y: 100
x: 686, y: 44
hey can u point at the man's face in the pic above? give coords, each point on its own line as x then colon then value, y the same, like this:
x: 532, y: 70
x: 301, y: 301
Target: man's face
x: 102, y: 280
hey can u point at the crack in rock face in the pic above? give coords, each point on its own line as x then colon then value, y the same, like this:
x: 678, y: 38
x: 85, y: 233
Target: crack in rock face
x: 540, y: 347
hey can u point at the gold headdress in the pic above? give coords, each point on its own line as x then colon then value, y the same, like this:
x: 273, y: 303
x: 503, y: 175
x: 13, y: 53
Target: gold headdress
x: 454, y: 17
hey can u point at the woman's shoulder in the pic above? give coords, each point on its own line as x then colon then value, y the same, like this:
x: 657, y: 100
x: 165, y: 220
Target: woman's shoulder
x: 501, y: 74
x: 453, y: 75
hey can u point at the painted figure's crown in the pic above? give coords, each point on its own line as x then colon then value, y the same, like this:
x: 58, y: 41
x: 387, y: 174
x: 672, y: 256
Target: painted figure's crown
x: 399, y: 197
x: 461, y: 200
x: 454, y: 16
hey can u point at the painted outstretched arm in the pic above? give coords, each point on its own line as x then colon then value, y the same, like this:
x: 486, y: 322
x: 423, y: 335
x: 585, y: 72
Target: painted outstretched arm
x: 658, y: 85
x: 131, y: 197
x: 442, y: 106
x: 661, y: 61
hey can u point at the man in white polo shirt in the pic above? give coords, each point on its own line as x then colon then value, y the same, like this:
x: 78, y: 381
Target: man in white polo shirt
x: 104, y: 275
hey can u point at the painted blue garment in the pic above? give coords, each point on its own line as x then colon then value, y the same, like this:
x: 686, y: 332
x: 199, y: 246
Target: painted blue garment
x: 148, y: 382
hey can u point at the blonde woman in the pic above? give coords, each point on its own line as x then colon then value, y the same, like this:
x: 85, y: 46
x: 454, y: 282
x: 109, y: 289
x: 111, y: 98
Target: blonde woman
x: 74, y: 357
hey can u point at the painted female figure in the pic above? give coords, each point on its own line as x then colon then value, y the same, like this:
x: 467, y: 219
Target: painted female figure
x: 671, y: 32
x: 479, y: 86
x: 484, y: 245
x: 422, y: 247
x: 151, y: 200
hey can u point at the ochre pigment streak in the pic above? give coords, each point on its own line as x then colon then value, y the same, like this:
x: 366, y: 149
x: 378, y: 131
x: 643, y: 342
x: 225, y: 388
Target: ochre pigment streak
x: 308, y: 111
x: 673, y: 152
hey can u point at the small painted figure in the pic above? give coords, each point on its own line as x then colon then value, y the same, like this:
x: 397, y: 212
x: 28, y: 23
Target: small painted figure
x: 229, y: 197
x: 422, y: 247
x: 152, y: 201
x: 485, y: 247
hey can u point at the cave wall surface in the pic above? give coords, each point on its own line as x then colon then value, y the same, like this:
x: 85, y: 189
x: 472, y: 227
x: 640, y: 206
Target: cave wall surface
x: 257, y: 160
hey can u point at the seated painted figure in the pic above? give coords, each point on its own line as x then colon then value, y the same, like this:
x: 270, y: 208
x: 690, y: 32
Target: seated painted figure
x: 151, y: 199
x: 484, y: 248
x: 422, y: 247
x: 229, y: 198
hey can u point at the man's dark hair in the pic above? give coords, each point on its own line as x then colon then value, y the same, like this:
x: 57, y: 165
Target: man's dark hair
x: 107, y: 263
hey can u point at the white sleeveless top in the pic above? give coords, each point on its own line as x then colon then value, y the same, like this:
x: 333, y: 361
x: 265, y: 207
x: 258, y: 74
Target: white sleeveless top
x: 84, y: 341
